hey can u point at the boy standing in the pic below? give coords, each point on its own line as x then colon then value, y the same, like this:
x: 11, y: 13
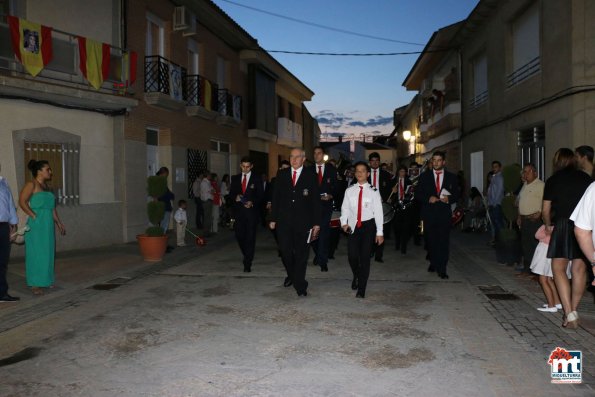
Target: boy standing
x: 181, y: 222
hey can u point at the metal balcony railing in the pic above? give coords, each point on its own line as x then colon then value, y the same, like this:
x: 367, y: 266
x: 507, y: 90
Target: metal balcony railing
x: 63, y: 69
x: 524, y: 72
x: 478, y: 100
x: 230, y: 105
x: 164, y: 76
x: 201, y: 92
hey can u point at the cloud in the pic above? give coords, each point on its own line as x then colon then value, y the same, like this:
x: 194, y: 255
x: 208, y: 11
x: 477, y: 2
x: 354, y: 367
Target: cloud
x: 336, y: 120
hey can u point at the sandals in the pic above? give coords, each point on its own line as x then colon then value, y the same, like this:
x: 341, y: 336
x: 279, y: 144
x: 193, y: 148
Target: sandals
x: 37, y: 291
x: 571, y: 320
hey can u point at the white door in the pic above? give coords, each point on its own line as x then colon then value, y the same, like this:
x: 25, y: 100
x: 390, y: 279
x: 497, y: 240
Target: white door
x: 477, y: 170
x: 152, y: 152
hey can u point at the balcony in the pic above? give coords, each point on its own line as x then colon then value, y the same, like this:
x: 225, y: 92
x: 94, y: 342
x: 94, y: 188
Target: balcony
x: 478, y: 100
x: 164, y: 83
x: 61, y: 82
x: 203, y: 97
x: 444, y: 120
x: 524, y: 72
x: 230, y: 109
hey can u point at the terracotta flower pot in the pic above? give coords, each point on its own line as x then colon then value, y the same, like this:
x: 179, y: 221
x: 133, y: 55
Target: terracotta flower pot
x: 152, y: 249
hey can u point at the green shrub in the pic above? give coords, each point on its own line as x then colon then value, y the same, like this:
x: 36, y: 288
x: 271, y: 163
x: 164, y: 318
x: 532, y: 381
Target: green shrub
x: 512, y: 177
x: 509, y: 210
x: 156, y: 187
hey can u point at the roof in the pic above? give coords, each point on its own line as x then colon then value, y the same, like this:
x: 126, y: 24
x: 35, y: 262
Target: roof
x: 435, y: 50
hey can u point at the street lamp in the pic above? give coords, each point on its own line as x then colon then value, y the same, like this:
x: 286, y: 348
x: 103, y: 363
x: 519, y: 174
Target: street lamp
x: 407, y: 135
x: 325, y: 157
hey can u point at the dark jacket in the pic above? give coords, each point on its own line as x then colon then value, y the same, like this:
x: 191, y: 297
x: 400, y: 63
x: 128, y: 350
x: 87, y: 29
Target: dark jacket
x: 254, y: 192
x: 427, y: 189
x: 329, y: 184
x: 298, y: 207
x: 385, y: 183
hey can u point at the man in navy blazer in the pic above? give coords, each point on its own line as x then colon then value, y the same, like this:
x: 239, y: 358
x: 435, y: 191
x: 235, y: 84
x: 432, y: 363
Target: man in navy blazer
x: 437, y: 191
x: 247, y: 192
x: 295, y: 211
x: 326, y: 176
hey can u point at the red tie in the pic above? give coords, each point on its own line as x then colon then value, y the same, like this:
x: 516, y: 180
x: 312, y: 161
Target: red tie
x: 359, y: 207
x: 374, y: 181
x: 293, y: 179
x: 438, y: 182
x: 402, y: 186
x: 244, y: 184
x: 319, y: 174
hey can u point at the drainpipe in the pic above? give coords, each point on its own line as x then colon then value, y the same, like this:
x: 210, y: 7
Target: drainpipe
x: 461, y: 96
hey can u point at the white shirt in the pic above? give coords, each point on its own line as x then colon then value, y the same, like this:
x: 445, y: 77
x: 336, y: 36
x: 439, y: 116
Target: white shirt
x: 196, y: 187
x: 180, y: 215
x: 224, y: 189
x: 583, y: 215
x: 297, y: 176
x: 371, y: 207
x: 206, y: 190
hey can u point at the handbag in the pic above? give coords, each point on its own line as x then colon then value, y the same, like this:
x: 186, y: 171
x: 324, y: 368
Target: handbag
x: 22, y: 228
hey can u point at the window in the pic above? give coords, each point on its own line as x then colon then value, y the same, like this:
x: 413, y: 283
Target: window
x: 221, y: 73
x: 193, y: 58
x: 262, y: 112
x: 480, y: 81
x: 280, y: 107
x: 525, y: 46
x: 155, y: 36
x: 531, y: 143
x: 64, y: 160
x: 291, y: 112
x: 219, y: 146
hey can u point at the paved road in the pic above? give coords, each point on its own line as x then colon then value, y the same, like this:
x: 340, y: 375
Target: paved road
x: 205, y: 328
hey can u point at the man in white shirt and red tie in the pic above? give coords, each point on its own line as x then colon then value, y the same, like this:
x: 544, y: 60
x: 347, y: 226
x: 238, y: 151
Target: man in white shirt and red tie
x: 383, y: 181
x: 362, y: 219
x: 295, y: 214
x: 326, y: 175
x: 247, y: 192
x: 403, y: 220
x: 437, y: 191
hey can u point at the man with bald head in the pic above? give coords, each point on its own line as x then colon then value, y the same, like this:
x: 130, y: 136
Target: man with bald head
x: 295, y: 211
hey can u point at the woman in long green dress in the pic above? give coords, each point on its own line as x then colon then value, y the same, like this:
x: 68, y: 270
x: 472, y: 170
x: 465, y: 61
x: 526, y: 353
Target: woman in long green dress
x: 39, y: 203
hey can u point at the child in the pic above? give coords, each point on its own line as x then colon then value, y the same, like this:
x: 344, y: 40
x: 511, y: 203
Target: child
x: 542, y: 265
x: 181, y: 222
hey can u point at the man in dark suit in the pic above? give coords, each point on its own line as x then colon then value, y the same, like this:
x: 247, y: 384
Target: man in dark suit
x: 343, y: 182
x: 295, y: 212
x: 247, y: 192
x: 437, y: 191
x: 326, y: 175
x: 383, y: 181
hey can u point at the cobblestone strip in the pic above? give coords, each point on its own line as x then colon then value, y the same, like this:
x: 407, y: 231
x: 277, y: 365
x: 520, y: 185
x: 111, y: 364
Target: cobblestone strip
x: 534, y: 331
x: 75, y: 297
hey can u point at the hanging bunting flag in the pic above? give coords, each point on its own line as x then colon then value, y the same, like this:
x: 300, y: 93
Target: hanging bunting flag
x: 31, y: 43
x: 128, y: 69
x: 175, y: 82
x: 94, y: 61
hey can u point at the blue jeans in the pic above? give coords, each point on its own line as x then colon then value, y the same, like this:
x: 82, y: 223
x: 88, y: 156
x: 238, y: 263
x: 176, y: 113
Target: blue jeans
x: 496, y: 219
x: 165, y: 221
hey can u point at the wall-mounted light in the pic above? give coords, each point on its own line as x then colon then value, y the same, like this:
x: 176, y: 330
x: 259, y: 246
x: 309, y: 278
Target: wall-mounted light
x: 407, y: 135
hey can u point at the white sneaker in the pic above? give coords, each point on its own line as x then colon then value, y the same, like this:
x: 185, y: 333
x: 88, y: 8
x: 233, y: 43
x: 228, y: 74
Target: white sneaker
x: 559, y: 306
x: 548, y: 309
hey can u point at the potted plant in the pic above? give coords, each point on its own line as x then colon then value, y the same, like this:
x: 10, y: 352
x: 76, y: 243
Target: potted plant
x: 153, y: 242
x: 508, y: 245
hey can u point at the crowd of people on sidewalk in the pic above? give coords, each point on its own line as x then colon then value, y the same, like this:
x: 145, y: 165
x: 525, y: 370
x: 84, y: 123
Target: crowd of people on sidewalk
x: 553, y: 227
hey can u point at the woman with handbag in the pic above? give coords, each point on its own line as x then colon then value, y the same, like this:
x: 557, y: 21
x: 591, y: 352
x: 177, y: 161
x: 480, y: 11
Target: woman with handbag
x: 39, y: 203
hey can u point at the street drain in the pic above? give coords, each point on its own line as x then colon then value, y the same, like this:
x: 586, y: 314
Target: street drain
x: 502, y: 297
x: 105, y: 286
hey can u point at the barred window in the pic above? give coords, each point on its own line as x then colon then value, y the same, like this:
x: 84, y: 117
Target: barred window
x: 64, y: 159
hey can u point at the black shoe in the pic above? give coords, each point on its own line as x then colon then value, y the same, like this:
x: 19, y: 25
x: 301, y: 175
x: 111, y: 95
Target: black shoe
x: 169, y: 249
x: 324, y: 268
x: 354, y: 284
x: 247, y: 269
x: 304, y: 292
x: 444, y: 276
x: 287, y: 282
x: 431, y: 269
x: 8, y: 298
x: 360, y: 294
x: 331, y: 257
x: 380, y: 260
x: 315, y: 262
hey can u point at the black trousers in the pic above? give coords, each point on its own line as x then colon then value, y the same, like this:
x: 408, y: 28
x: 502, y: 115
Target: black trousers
x: 294, y: 251
x: 322, y: 243
x: 359, y: 249
x: 378, y: 250
x: 528, y: 241
x: 437, y: 237
x: 402, y: 225
x: 199, y: 212
x: 335, y: 236
x: 4, y: 256
x: 245, y: 231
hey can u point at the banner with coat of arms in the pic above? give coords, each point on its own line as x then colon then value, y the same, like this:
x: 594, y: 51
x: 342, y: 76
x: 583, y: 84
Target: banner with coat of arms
x: 31, y: 43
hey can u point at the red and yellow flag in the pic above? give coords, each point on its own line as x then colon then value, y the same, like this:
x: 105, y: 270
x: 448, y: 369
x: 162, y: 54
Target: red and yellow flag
x: 31, y: 43
x: 128, y: 73
x: 94, y: 61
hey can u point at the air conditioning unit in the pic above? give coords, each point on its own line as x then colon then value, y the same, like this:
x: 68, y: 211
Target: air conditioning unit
x: 184, y: 21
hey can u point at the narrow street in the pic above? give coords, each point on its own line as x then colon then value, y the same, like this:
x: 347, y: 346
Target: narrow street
x: 196, y: 325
